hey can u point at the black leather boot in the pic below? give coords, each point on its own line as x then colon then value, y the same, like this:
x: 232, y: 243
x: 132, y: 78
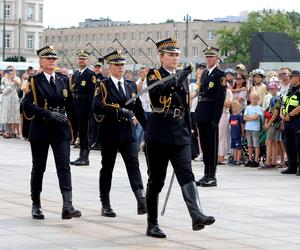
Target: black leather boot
x: 106, y: 210
x: 78, y: 159
x: 190, y: 198
x: 153, y: 228
x: 84, y: 161
x: 200, y: 181
x: 68, y: 211
x: 36, y: 211
x: 211, y: 180
x: 298, y: 172
x: 141, y: 201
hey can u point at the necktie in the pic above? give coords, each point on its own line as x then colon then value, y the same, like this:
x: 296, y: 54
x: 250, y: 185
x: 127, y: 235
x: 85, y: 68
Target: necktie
x: 121, y: 92
x: 79, y: 74
x: 52, y: 83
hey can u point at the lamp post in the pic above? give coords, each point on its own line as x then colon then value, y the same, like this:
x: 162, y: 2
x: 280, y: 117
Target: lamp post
x: 19, y: 42
x: 3, y: 43
x: 187, y: 19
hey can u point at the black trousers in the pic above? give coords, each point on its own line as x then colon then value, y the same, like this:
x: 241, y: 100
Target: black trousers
x: 292, y: 143
x: 209, y: 141
x: 129, y: 153
x: 61, y: 151
x: 158, y: 157
x: 83, y: 128
x: 94, y: 131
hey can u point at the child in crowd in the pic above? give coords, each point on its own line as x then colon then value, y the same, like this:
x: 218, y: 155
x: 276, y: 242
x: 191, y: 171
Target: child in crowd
x: 236, y: 125
x: 252, y: 117
x: 272, y: 125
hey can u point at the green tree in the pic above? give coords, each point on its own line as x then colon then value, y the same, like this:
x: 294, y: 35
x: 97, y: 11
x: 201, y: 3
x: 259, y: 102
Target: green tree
x: 237, y: 41
x: 15, y: 59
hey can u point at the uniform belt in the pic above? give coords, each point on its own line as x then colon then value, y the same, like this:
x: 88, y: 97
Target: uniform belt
x: 205, y: 99
x: 173, y: 112
x: 79, y: 96
x: 58, y: 109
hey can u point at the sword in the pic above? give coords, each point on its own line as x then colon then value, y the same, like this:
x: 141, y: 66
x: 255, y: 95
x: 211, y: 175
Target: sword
x: 168, y: 194
x: 167, y: 78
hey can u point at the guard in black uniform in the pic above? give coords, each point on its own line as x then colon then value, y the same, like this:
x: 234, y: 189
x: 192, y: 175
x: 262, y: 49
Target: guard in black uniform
x: 83, y: 87
x: 208, y: 112
x: 46, y: 103
x: 117, y: 130
x: 95, y: 126
x: 168, y: 138
x: 290, y: 114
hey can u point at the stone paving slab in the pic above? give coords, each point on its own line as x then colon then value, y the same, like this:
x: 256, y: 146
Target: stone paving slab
x: 254, y: 209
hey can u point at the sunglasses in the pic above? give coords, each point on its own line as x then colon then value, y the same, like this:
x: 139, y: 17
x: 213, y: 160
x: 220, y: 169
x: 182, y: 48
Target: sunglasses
x: 239, y: 78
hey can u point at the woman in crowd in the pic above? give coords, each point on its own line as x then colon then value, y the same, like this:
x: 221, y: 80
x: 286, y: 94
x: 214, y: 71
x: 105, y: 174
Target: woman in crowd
x: 239, y: 90
x: 9, y: 109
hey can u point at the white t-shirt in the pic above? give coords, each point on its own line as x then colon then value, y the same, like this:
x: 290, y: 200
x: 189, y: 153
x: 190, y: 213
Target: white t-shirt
x: 145, y: 99
x: 193, y: 88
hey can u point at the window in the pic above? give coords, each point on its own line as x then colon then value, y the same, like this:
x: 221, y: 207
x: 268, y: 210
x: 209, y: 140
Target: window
x: 140, y: 52
x: 158, y: 35
x: 210, y: 35
x: 176, y: 33
x: 46, y: 39
x: 30, y: 12
x: 78, y: 38
x: 72, y: 38
x: 167, y: 34
x: 124, y: 37
x: 100, y: 37
x: 53, y: 39
x: 132, y: 36
x: 59, y: 39
x: 133, y: 52
x: 40, y: 41
x: 108, y: 37
x: 149, y: 51
x: 94, y: 37
x: 117, y: 36
x: 7, y: 11
x: 41, y: 13
x: 87, y: 38
x: 66, y: 38
x: 195, y: 51
x: 7, y: 40
x: 141, y: 36
x: 149, y: 34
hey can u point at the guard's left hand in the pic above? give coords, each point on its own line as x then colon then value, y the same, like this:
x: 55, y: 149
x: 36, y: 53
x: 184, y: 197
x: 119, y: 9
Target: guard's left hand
x: 135, y: 121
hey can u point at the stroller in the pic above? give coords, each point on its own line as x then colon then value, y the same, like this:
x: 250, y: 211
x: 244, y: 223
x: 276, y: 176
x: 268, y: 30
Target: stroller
x: 245, y: 154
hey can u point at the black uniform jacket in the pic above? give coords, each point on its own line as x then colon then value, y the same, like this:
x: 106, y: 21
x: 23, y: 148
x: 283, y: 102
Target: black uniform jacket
x: 40, y: 91
x: 83, y: 88
x: 114, y: 127
x: 211, y: 96
x: 163, y: 127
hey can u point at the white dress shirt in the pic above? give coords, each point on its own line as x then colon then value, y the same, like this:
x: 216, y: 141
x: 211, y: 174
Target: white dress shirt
x: 115, y: 81
x: 49, y: 76
x: 211, y: 69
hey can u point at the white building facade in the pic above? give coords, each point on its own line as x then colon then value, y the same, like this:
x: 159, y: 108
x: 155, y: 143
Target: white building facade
x: 23, y: 28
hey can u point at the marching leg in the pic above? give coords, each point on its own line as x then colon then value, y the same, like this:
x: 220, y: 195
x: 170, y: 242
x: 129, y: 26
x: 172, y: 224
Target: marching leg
x: 190, y: 198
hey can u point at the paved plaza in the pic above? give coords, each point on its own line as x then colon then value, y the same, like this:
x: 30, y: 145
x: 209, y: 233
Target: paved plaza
x: 254, y: 209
